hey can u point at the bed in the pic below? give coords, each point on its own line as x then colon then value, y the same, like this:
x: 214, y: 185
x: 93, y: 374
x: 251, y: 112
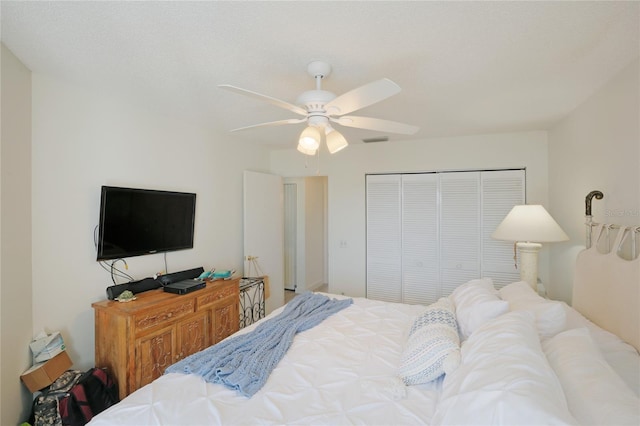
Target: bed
x: 514, y: 358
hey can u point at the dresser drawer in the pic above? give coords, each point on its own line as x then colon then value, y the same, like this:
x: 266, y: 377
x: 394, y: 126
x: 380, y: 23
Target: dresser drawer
x: 227, y: 289
x: 156, y: 317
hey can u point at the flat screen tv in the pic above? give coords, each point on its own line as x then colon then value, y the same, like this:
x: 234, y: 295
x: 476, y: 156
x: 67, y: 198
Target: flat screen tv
x: 134, y: 222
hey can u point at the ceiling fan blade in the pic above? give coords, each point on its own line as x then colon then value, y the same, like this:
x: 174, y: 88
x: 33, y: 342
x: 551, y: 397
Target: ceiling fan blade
x: 377, y: 124
x: 265, y: 98
x: 362, y: 96
x: 272, y: 123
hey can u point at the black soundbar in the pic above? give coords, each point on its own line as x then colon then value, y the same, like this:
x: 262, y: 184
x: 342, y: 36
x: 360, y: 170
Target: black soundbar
x: 180, y: 276
x: 133, y: 286
x: 150, y: 283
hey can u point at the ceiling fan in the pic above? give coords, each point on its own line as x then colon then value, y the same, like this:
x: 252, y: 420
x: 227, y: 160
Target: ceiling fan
x: 320, y: 108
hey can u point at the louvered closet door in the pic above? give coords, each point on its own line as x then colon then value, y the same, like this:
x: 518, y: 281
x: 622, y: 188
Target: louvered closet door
x: 420, y: 253
x: 501, y: 190
x: 459, y: 229
x: 430, y: 233
x: 384, y: 237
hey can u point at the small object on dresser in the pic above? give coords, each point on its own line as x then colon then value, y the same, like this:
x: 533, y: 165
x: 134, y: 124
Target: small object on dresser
x: 185, y: 286
x: 223, y: 274
x: 207, y: 274
x: 126, y: 296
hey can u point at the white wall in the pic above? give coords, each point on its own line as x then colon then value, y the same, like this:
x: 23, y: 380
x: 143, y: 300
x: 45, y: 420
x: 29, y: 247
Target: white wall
x: 346, y: 185
x: 314, y: 232
x: 15, y: 237
x: 596, y: 147
x: 83, y: 139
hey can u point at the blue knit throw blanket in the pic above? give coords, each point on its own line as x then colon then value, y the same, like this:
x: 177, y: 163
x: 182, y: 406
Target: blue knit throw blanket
x: 244, y: 362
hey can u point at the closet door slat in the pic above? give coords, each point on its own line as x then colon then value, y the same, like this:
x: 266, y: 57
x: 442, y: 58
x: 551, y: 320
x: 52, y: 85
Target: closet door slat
x: 384, y: 266
x: 501, y: 190
x: 459, y: 229
x: 420, y: 246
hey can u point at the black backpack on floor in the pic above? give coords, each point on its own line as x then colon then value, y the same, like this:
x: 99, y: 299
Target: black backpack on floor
x: 74, y: 398
x: 46, y: 405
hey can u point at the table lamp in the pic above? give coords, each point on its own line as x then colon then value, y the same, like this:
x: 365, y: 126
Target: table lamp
x: 528, y: 226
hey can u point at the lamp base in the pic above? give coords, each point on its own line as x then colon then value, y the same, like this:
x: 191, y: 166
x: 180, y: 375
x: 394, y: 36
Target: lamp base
x: 529, y: 263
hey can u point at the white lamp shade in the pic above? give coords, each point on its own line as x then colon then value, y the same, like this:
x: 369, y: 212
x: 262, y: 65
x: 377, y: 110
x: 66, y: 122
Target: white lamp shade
x: 529, y: 223
x: 335, y: 140
x: 310, y: 138
x: 306, y: 151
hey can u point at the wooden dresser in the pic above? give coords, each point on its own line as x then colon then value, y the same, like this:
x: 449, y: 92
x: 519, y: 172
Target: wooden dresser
x: 137, y: 340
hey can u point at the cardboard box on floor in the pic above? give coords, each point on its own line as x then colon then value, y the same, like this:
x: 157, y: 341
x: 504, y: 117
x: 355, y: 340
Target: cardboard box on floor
x: 43, y: 374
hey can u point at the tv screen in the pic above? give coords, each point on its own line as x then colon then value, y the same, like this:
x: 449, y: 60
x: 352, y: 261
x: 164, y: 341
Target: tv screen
x: 134, y: 222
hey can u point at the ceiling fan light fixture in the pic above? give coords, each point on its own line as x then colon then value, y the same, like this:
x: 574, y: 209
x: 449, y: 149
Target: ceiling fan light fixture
x: 310, y: 138
x: 307, y: 151
x: 335, y: 140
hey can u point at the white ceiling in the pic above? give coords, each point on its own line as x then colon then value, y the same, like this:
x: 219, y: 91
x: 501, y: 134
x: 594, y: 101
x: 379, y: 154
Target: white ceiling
x: 464, y: 67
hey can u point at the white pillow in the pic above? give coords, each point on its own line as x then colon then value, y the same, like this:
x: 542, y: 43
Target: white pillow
x: 476, y: 302
x: 595, y: 393
x: 504, y: 378
x: 519, y: 290
x: 433, y: 346
x: 550, y: 315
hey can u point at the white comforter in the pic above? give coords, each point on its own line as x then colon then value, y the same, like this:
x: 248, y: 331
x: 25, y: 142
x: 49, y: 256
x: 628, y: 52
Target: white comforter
x: 324, y: 378
x: 345, y: 371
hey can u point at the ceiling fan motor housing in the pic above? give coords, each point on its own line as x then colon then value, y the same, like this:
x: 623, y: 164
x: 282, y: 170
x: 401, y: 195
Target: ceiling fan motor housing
x: 315, y: 100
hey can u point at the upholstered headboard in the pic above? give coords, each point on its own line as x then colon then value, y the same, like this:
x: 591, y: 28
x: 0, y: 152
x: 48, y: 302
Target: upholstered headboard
x: 606, y: 287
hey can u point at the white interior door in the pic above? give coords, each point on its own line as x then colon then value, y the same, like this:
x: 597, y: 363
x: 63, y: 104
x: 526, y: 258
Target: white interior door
x: 264, y: 230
